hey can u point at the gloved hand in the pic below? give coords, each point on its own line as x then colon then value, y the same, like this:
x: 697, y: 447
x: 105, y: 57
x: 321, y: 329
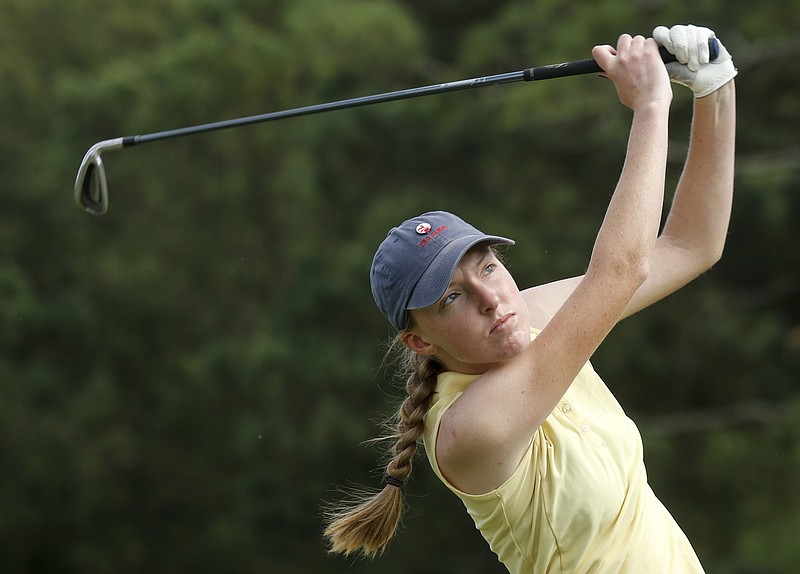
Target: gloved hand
x: 694, y: 69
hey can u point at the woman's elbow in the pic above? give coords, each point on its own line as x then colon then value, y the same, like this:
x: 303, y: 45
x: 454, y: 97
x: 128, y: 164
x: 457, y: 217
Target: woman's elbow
x: 638, y: 271
x: 710, y: 256
x: 630, y: 270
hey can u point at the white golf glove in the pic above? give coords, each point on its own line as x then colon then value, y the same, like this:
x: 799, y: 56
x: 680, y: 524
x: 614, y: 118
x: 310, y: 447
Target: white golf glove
x: 694, y: 68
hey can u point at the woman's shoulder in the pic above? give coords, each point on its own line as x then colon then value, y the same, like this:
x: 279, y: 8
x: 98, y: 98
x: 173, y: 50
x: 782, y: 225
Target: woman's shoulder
x: 544, y: 300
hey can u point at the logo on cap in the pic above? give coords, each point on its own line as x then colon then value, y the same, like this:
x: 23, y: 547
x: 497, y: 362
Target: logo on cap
x: 423, y: 228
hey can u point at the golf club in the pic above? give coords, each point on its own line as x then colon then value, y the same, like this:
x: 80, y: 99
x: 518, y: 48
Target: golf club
x: 91, y: 187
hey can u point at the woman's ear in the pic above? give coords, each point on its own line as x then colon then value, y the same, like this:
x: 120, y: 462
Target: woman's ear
x: 417, y: 344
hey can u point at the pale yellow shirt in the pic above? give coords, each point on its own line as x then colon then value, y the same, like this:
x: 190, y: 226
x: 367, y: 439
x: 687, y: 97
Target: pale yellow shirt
x: 579, y: 501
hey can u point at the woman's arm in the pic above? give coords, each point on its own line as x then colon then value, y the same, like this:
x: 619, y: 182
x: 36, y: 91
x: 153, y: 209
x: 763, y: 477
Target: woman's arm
x: 694, y: 234
x: 697, y: 225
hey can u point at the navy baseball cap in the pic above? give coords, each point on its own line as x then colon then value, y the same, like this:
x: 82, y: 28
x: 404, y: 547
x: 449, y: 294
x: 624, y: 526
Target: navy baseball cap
x: 415, y: 263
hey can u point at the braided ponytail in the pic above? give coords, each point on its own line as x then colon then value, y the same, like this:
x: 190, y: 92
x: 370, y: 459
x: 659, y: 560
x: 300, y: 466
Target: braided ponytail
x: 367, y: 522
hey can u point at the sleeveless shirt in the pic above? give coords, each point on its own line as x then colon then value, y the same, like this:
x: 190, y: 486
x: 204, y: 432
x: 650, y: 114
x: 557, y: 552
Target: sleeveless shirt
x: 579, y: 501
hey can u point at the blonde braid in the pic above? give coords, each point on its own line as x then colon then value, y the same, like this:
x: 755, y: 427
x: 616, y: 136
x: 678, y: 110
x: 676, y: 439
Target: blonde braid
x: 367, y: 522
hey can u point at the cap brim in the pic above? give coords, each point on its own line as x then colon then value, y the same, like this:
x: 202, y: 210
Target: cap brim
x: 434, y: 281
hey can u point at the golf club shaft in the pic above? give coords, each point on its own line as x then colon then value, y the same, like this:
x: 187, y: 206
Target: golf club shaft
x: 328, y: 107
x: 575, y: 68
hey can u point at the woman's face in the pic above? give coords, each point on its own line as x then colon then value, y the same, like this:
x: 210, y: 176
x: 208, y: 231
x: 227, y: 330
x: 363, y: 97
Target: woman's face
x: 480, y: 321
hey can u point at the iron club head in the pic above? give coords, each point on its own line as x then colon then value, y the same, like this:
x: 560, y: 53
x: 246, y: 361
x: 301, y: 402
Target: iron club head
x: 91, y: 189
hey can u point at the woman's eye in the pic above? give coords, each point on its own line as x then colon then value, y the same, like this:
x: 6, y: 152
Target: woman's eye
x: 450, y: 298
x: 489, y: 268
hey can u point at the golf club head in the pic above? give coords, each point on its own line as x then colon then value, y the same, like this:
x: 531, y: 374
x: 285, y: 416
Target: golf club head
x: 91, y: 188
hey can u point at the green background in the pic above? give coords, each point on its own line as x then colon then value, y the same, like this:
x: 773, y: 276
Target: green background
x: 186, y: 379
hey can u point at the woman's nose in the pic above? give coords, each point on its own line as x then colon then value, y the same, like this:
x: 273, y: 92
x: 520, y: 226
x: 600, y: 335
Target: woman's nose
x: 489, y: 298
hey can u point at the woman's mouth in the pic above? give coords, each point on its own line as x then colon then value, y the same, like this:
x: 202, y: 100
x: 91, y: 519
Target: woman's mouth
x: 502, y: 323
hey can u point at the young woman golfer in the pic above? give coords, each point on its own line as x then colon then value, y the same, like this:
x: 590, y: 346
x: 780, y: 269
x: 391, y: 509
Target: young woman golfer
x: 514, y: 419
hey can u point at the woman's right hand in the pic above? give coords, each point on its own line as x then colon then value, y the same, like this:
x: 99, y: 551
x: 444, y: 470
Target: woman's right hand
x: 637, y: 70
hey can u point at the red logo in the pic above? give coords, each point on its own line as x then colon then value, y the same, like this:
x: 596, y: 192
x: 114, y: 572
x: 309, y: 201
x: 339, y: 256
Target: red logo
x: 423, y: 228
x: 436, y: 232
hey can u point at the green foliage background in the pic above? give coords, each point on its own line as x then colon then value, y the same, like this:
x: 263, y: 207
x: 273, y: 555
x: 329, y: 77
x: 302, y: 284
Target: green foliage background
x: 185, y: 379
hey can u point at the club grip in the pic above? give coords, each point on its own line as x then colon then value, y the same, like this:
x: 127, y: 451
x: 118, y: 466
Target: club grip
x: 713, y: 52
x: 580, y: 67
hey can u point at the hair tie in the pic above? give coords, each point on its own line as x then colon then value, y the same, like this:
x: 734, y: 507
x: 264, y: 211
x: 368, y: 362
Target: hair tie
x: 392, y: 480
